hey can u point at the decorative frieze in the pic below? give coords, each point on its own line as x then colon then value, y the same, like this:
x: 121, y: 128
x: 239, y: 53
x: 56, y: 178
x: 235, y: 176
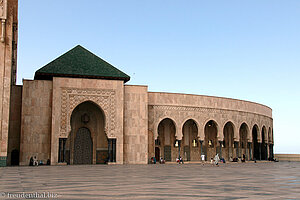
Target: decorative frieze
x: 200, y: 109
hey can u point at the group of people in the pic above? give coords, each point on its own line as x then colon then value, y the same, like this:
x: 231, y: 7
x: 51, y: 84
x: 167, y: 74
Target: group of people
x: 34, y: 161
x: 236, y: 159
x: 153, y: 160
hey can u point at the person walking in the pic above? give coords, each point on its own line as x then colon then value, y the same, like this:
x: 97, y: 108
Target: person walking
x: 217, y: 159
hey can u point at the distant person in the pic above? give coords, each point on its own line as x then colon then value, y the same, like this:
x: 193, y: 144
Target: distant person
x: 31, y: 161
x: 35, y: 161
x: 153, y: 160
x: 180, y: 160
x: 48, y: 162
x: 202, y: 159
x: 217, y: 159
x: 244, y: 158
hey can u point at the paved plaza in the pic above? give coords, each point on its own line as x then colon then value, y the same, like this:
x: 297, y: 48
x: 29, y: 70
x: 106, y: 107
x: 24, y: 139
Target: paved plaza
x: 170, y: 181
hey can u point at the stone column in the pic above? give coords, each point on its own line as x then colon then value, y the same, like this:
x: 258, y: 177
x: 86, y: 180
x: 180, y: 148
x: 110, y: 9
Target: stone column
x: 220, y: 152
x: 271, y: 151
x: 201, y: 147
x: 179, y: 145
x: 109, y: 151
x: 259, y: 150
x: 114, y: 150
x: 267, y: 151
x: 236, y: 146
x: 250, y: 150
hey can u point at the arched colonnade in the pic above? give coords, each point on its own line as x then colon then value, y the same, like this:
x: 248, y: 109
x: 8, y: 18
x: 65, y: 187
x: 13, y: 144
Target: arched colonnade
x: 190, y: 138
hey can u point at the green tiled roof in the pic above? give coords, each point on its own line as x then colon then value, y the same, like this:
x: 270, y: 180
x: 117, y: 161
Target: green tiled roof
x: 80, y: 63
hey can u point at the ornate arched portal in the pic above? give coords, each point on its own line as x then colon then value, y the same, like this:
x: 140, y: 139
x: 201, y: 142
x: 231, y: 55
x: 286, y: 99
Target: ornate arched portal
x: 87, y: 142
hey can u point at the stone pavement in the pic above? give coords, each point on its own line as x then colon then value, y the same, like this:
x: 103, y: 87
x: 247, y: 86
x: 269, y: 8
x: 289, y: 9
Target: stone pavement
x: 188, y: 181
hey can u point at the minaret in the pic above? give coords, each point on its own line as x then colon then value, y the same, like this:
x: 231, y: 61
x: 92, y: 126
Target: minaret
x: 8, y: 66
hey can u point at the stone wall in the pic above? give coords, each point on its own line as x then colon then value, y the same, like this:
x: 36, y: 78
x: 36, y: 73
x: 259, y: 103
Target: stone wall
x: 36, y: 120
x: 135, y: 124
x: 14, y: 121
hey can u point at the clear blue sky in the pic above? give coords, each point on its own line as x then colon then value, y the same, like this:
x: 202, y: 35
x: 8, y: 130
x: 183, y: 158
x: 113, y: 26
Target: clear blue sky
x: 246, y: 50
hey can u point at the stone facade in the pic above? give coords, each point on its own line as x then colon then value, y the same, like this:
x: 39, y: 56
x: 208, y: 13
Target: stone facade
x: 8, y: 53
x: 75, y: 119
x: 144, y: 124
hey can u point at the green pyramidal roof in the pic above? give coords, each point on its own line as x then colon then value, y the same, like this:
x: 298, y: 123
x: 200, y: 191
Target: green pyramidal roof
x: 80, y: 63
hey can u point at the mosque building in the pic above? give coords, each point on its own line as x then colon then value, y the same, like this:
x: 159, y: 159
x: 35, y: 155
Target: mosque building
x: 79, y: 109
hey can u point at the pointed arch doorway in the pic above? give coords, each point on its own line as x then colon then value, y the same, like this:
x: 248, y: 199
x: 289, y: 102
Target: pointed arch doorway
x: 87, y: 142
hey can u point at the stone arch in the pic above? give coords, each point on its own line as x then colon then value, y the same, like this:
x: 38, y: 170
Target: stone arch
x: 165, y: 142
x: 235, y: 132
x: 87, y: 128
x: 159, y: 121
x: 228, y: 142
x: 196, y: 122
x: 255, y: 125
x: 244, y: 138
x: 219, y: 132
x: 190, y: 144
x: 104, y: 112
x: 72, y: 97
x: 264, y: 147
x: 245, y: 124
x: 211, y: 141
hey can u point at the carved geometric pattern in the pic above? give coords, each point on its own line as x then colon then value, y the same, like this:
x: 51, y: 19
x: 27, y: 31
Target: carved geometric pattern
x: 72, y: 97
x: 200, y: 109
x: 2, y: 3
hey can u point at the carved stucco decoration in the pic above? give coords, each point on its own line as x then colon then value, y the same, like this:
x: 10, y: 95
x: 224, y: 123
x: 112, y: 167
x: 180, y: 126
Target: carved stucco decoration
x: 3, y: 8
x: 72, y: 97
